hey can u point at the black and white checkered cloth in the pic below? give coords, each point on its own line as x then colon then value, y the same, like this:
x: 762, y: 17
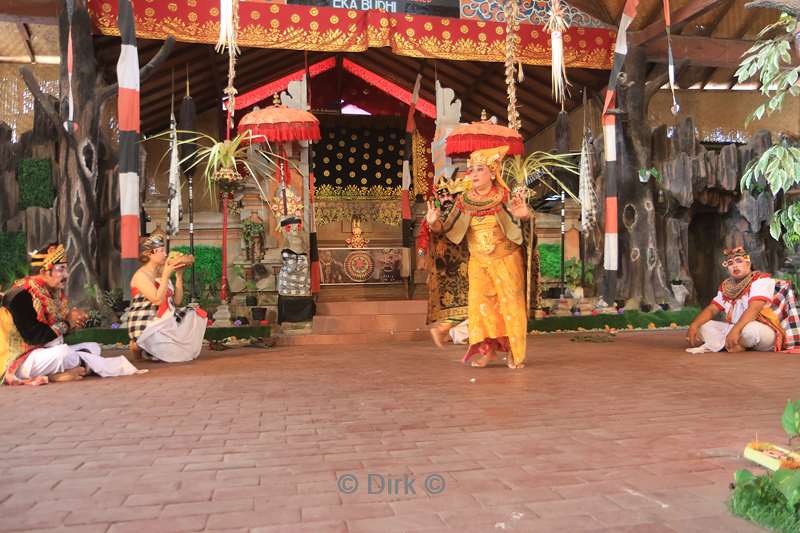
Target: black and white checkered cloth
x: 785, y: 306
x: 140, y: 314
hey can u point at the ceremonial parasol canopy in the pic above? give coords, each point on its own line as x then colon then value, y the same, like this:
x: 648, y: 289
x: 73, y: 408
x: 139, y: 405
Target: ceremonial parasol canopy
x: 279, y: 123
x: 467, y: 138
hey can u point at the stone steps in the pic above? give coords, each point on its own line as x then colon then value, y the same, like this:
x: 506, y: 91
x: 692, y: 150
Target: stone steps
x: 377, y: 307
x: 348, y: 339
x: 361, y: 323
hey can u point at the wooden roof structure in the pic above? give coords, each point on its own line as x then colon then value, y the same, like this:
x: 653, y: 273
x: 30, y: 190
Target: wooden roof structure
x: 708, y: 38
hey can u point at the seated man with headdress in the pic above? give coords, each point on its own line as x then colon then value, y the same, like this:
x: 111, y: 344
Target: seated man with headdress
x: 759, y: 311
x: 34, y: 318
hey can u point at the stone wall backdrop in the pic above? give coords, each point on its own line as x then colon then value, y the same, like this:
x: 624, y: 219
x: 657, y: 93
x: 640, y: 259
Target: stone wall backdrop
x: 27, y: 184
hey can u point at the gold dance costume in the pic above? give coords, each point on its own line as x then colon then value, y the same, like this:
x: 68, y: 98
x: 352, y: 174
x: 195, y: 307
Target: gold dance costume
x: 496, y: 297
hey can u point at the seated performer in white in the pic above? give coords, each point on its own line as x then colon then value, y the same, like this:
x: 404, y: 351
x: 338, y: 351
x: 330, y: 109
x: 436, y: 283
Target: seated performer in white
x: 158, y: 329
x: 34, y: 318
x: 745, y: 299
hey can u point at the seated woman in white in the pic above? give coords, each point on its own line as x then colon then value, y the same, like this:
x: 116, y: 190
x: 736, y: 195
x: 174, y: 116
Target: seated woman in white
x: 158, y: 329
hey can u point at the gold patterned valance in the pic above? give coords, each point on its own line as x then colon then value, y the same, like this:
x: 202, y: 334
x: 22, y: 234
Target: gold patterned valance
x: 299, y: 27
x: 335, y: 211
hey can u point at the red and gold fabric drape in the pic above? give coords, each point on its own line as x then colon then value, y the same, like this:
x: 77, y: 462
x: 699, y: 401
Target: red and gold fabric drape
x: 296, y: 27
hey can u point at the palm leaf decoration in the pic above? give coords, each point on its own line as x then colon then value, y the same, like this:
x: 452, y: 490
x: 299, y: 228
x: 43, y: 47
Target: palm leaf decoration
x: 540, y: 168
x: 222, y: 161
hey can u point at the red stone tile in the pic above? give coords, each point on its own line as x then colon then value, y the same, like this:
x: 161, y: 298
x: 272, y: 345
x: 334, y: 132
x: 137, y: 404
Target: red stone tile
x: 310, y: 527
x: 435, y: 504
x: 42, y: 520
x: 161, y: 525
x: 207, y: 507
x: 721, y: 524
x: 632, y: 449
x: 84, y: 528
x: 94, y: 514
x: 571, y: 507
x: 164, y: 498
x: 494, y: 498
x: 417, y: 522
x: 253, y: 519
x: 346, y: 511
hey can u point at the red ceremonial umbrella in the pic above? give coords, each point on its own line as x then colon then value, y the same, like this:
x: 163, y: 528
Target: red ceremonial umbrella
x: 467, y: 138
x: 278, y: 123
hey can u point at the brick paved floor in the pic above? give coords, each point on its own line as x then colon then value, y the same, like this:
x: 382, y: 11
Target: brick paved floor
x: 634, y: 435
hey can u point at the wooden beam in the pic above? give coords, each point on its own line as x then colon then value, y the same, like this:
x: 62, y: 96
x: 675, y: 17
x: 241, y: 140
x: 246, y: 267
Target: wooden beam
x: 595, y: 8
x: 30, y: 11
x: 700, y: 51
x: 25, y: 33
x: 679, y: 18
x: 706, y: 73
x: 472, y: 89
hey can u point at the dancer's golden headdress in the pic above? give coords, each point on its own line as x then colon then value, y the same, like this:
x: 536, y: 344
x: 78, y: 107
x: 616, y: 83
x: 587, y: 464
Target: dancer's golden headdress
x: 492, y: 158
x: 732, y: 253
x: 454, y: 185
x: 51, y: 256
x: 153, y: 241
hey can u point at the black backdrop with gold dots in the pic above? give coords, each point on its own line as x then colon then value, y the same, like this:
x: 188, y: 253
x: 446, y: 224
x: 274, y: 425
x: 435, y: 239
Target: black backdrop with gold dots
x: 364, y: 157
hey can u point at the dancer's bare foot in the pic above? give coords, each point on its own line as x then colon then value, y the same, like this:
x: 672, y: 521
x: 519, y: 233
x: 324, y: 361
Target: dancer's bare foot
x: 73, y: 374
x: 514, y: 366
x: 484, y: 360
x: 136, y: 353
x: 439, y: 334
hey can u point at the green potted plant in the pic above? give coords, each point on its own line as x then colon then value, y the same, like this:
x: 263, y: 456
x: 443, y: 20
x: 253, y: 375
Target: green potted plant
x: 572, y: 277
x: 251, y: 300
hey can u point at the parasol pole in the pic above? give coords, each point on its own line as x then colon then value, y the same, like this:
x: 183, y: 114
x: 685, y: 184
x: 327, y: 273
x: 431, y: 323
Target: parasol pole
x: 188, y: 116
x: 563, y: 239
x: 189, y: 176
x: 173, y: 146
x: 229, y: 28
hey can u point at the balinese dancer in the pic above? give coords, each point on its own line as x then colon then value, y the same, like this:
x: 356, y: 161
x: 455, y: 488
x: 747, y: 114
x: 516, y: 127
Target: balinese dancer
x: 157, y: 327
x: 488, y: 216
x: 446, y: 264
x: 759, y: 311
x: 33, y: 321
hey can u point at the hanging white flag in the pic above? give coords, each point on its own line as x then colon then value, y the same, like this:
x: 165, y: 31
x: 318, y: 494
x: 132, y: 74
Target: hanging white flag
x: 586, y: 192
x: 173, y: 224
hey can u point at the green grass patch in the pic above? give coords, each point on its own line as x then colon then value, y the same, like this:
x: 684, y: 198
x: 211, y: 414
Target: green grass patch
x: 35, y: 178
x: 763, y: 500
x: 637, y: 319
x: 550, y: 260
x: 120, y: 335
x: 13, y: 258
x: 208, y: 272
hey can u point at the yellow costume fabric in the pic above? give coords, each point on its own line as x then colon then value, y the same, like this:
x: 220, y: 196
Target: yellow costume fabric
x: 496, y: 303
x: 496, y: 297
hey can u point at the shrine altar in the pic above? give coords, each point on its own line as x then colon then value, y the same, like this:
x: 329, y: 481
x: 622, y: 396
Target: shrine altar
x: 361, y: 266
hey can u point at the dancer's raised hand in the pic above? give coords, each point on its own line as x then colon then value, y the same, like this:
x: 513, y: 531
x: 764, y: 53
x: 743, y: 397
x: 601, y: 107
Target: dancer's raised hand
x: 433, y: 214
x: 519, y: 206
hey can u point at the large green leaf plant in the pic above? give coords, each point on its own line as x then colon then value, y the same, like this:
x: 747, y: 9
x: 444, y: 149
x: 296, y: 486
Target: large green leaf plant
x: 772, y: 499
x: 770, y: 61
